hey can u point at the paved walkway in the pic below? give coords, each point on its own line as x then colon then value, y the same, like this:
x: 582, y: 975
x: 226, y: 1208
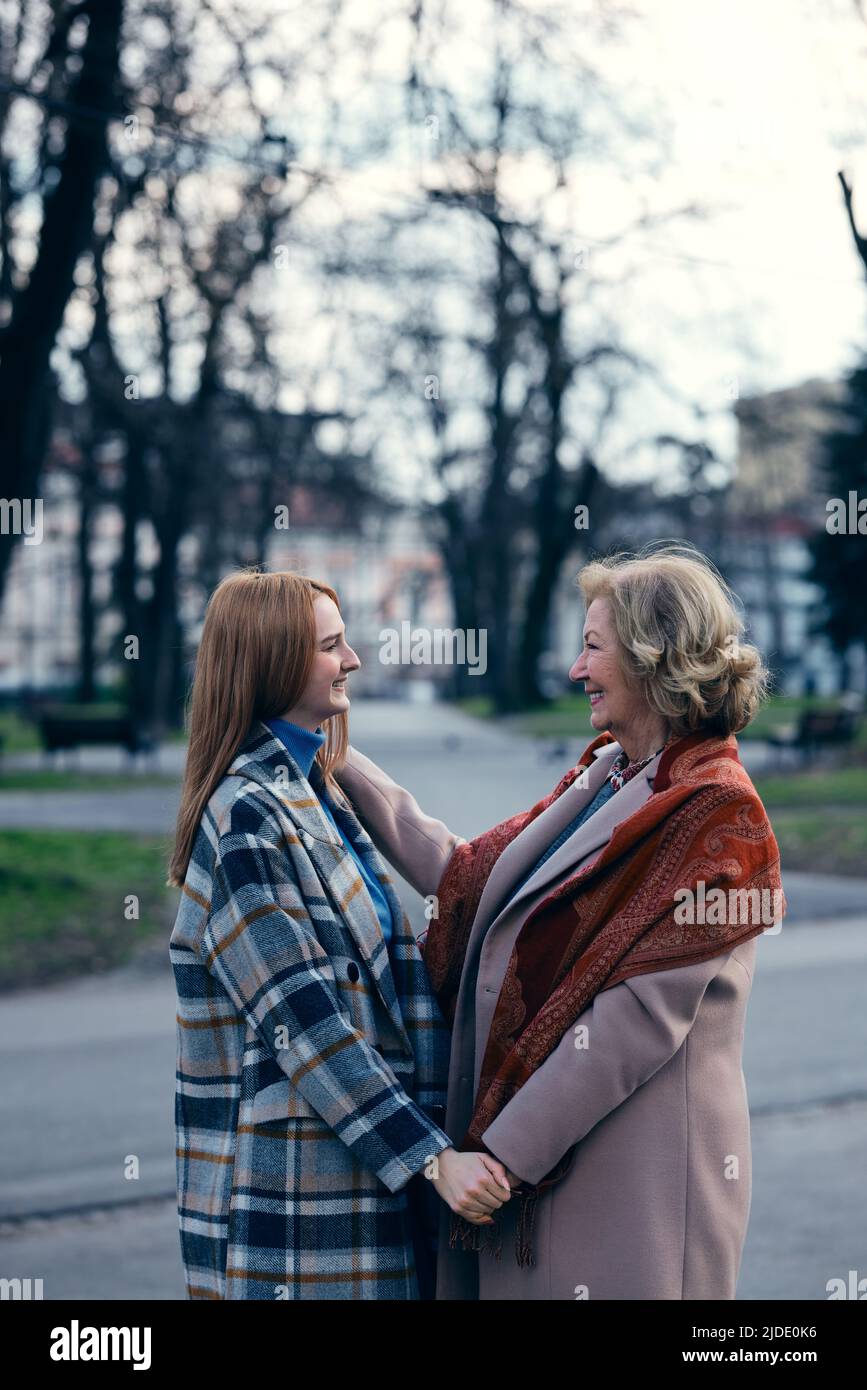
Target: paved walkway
x: 98, y: 1057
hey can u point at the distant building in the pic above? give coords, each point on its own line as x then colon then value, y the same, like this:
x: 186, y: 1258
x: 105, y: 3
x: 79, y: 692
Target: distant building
x: 383, y: 568
x: 385, y: 572
x: 775, y: 504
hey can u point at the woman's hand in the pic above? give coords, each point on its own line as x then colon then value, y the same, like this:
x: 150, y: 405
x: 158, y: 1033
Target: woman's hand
x: 473, y: 1184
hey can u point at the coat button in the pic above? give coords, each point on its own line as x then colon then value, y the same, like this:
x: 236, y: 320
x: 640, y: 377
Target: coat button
x: 352, y: 971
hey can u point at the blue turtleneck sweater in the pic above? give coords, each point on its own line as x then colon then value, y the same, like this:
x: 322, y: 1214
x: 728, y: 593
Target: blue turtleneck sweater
x: 302, y: 746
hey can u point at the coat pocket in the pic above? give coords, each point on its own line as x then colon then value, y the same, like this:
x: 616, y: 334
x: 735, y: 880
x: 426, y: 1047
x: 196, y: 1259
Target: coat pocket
x: 278, y: 1101
x: 267, y: 1093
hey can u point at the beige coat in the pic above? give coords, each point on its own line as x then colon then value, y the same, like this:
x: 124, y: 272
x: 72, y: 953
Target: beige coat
x: 656, y: 1202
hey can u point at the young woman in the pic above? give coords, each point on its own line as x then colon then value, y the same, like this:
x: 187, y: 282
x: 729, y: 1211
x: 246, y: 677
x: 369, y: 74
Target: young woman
x: 312, y: 1055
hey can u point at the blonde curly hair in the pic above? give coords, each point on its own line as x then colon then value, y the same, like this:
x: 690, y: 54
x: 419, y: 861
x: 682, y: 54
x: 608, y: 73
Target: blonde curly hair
x: 681, y: 637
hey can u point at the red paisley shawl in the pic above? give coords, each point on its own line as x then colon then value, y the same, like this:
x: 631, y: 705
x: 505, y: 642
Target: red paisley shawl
x: 614, y: 919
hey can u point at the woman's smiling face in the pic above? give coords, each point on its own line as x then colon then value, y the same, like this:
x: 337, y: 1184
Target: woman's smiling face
x: 326, y: 691
x: 614, y: 704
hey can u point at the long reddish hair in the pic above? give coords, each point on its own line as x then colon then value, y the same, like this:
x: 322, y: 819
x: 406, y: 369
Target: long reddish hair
x: 254, y: 660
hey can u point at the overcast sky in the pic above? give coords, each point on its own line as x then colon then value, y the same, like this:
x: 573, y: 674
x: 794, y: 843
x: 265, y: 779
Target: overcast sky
x: 769, y: 99
x: 773, y: 98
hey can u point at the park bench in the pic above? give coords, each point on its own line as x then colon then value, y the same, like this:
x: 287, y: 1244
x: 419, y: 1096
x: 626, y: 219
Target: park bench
x: 61, y: 729
x: 815, y: 729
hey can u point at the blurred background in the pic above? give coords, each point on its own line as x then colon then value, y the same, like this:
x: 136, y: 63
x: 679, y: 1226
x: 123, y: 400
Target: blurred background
x: 432, y: 302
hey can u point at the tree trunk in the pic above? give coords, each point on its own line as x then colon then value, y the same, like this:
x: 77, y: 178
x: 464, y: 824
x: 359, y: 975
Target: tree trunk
x: 498, y: 548
x: 126, y: 577
x: 86, y: 611
x: 37, y: 312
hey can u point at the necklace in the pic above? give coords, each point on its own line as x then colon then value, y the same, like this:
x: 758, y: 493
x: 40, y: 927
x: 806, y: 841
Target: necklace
x: 622, y: 770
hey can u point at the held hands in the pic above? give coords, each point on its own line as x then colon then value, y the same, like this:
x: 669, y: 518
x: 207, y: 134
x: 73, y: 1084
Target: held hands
x: 473, y: 1184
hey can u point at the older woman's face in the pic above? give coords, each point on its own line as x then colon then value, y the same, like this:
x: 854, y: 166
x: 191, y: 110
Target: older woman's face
x: 613, y: 704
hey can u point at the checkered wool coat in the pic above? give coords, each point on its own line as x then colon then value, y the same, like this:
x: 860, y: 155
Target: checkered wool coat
x: 311, y: 1061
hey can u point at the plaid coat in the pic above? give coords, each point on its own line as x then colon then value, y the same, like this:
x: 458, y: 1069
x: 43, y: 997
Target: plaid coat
x: 311, y: 1060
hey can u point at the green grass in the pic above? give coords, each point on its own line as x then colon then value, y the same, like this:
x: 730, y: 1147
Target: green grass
x: 566, y: 717
x: 819, y: 818
x: 835, y: 786
x: 63, y: 902
x: 16, y: 734
x: 782, y: 710
x: 479, y: 706
x: 49, y: 779
x: 827, y: 840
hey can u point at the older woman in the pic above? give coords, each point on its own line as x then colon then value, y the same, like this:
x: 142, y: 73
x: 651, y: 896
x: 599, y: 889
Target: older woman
x: 594, y: 956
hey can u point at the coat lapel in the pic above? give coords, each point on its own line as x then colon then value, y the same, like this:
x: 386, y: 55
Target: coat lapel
x: 498, y: 938
x: 595, y: 832
x: 532, y: 842
x: 266, y: 760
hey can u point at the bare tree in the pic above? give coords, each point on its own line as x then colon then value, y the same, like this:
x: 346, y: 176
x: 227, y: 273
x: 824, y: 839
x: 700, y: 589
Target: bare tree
x: 169, y: 333
x: 72, y: 75
x: 539, y: 366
